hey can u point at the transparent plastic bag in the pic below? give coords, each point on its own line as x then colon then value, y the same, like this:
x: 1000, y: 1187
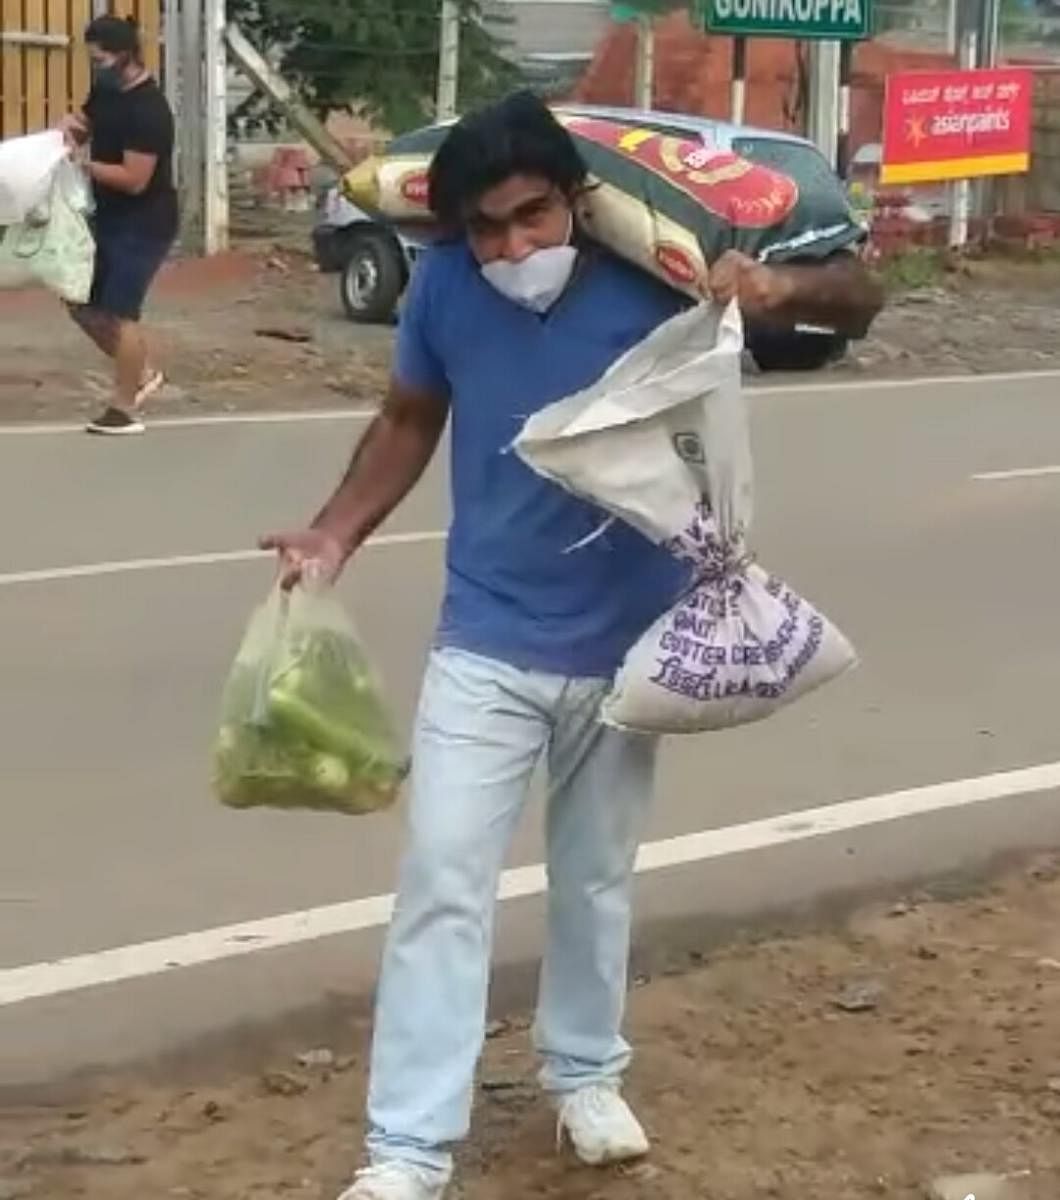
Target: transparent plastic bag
x: 303, y: 724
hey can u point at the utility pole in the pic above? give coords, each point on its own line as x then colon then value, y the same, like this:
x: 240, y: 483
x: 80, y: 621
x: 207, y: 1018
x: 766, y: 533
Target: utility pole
x: 171, y: 58
x: 968, y: 51
x: 846, y: 74
x: 989, y: 50
x: 952, y: 27
x: 201, y: 111
x: 215, y: 165
x: 953, y: 189
x: 192, y: 127
x: 644, y: 74
x: 448, y: 61
x: 989, y: 33
x: 274, y: 87
x: 738, y: 86
x: 823, y: 117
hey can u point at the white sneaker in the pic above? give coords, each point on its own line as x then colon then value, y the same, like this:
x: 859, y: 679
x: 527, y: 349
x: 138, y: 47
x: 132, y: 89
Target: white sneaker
x: 601, y: 1126
x: 394, y: 1181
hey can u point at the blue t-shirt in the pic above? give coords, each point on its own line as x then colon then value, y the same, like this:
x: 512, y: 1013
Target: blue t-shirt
x: 515, y: 590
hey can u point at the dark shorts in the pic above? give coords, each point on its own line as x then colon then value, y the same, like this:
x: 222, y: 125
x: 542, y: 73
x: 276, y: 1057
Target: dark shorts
x: 127, y: 261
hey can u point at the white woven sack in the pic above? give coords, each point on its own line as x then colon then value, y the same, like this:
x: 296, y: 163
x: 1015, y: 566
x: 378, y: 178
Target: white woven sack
x: 661, y: 441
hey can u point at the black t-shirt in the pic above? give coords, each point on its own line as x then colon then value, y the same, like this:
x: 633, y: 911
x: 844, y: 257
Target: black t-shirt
x: 139, y: 120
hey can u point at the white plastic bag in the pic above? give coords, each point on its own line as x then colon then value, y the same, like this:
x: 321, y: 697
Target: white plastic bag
x: 661, y: 442
x: 27, y: 168
x: 53, y: 246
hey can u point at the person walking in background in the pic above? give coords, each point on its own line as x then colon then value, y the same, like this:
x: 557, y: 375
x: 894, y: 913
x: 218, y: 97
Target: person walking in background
x: 128, y: 128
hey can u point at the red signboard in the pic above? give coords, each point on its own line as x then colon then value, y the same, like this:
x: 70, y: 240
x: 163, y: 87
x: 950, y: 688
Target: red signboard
x: 956, y: 124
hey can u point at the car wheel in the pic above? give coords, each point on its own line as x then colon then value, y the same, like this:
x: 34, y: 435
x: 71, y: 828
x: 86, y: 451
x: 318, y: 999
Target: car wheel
x: 791, y: 350
x: 373, y: 278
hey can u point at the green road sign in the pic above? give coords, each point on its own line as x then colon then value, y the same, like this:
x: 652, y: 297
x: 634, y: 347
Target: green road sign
x: 833, y: 20
x: 622, y: 11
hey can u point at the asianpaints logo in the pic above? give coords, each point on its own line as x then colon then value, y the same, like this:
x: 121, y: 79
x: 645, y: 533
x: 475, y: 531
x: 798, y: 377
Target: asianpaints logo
x: 969, y: 124
x: 966, y: 125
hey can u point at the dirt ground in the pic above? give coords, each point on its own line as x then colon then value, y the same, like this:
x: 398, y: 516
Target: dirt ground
x: 262, y: 330
x: 255, y: 331
x: 918, y: 1039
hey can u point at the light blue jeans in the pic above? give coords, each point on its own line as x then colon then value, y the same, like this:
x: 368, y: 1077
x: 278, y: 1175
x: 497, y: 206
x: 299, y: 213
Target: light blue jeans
x: 481, y: 730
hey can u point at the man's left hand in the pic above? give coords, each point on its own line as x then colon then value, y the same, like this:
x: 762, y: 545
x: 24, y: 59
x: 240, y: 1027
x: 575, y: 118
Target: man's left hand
x: 759, y: 289
x: 74, y: 128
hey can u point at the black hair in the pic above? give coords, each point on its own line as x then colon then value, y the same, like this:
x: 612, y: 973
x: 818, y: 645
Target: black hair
x: 116, y: 35
x: 517, y: 136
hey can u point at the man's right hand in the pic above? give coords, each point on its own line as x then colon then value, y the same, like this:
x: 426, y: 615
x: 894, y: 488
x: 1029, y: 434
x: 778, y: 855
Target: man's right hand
x: 306, y: 551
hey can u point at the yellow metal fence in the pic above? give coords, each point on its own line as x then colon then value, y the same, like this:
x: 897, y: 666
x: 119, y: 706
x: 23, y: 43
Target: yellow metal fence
x: 43, y: 65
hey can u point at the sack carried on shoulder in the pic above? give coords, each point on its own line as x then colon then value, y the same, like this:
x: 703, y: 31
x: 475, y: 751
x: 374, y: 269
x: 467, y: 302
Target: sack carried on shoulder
x: 669, y: 204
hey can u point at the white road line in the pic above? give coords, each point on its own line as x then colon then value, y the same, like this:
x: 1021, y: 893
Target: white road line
x: 122, y: 566
x: 877, y: 385
x: 123, y: 963
x: 1016, y: 473
x: 247, y: 418
x: 361, y: 414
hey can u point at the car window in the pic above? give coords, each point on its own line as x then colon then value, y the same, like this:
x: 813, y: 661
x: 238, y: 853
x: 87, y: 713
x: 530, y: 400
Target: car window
x: 804, y: 162
x: 671, y: 130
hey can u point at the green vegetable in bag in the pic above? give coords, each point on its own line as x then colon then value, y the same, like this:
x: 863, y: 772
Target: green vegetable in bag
x: 302, y: 722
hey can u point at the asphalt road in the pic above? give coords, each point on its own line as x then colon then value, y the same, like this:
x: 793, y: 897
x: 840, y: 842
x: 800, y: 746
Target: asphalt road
x: 109, y: 837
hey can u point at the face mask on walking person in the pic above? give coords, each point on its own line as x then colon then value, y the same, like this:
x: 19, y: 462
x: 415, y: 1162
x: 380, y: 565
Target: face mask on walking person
x: 108, y: 76
x: 538, y: 279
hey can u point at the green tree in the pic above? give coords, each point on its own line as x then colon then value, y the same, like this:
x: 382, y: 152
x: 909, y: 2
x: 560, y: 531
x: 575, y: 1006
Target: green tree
x: 376, y: 58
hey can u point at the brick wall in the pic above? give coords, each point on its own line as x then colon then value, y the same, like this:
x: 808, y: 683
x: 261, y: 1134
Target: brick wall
x: 693, y: 70
x: 1038, y: 191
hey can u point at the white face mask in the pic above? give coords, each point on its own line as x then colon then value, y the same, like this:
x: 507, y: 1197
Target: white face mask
x: 537, y: 281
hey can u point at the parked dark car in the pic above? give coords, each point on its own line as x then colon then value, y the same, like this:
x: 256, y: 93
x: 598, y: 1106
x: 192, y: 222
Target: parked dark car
x: 374, y: 259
